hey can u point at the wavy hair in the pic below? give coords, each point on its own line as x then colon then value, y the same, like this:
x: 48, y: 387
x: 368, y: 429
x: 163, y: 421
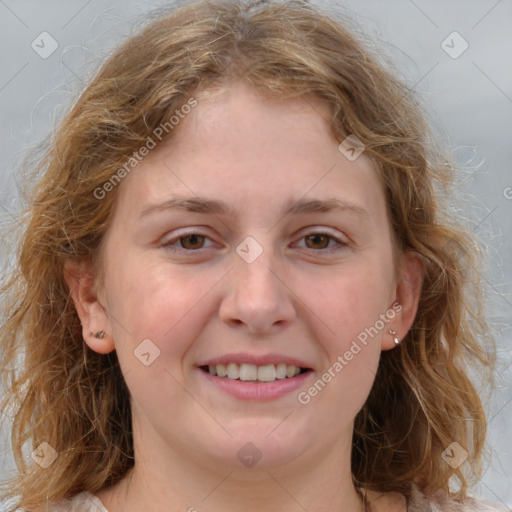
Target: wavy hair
x: 61, y: 392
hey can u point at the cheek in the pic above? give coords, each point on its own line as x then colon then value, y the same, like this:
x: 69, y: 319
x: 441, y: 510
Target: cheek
x: 350, y: 304
x: 168, y: 308
x: 349, y: 333
x: 353, y: 302
x: 155, y: 301
x: 349, y: 300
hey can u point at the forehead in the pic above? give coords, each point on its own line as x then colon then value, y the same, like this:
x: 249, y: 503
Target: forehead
x: 246, y: 150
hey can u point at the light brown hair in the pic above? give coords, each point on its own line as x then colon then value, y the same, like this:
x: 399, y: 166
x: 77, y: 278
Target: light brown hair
x: 63, y: 393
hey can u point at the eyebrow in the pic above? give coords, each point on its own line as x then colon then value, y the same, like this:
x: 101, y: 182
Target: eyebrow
x: 323, y: 205
x: 190, y: 204
x: 213, y: 206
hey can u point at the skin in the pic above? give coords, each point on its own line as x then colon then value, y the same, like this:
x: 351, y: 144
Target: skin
x: 302, y: 298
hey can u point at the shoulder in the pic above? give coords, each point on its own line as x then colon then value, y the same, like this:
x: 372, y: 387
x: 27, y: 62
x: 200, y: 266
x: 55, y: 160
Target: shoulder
x: 83, y: 502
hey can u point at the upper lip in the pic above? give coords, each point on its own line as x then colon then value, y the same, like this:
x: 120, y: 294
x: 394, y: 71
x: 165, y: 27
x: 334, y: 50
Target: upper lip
x: 258, y: 360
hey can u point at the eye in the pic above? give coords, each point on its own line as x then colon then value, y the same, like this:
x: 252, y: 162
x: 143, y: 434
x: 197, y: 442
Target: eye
x: 317, y: 241
x: 188, y: 242
x: 193, y: 241
x: 321, y: 241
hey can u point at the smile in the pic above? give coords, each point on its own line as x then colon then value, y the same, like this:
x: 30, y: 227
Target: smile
x: 254, y: 373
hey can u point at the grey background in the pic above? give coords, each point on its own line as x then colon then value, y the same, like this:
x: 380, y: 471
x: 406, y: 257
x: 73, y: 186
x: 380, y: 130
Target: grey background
x: 469, y: 97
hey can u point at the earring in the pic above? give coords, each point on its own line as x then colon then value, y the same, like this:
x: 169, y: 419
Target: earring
x: 393, y: 333
x: 98, y: 335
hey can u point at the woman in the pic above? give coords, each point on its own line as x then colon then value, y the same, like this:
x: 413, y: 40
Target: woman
x: 235, y: 289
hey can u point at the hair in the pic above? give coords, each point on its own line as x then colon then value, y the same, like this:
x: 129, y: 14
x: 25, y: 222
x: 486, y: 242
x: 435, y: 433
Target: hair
x: 76, y: 400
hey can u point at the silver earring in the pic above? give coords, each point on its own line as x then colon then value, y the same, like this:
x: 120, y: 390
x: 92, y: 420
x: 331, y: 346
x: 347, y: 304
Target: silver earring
x: 99, y: 335
x: 393, y: 333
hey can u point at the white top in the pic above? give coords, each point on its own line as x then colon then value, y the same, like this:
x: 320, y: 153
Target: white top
x: 83, y: 502
x: 87, y: 502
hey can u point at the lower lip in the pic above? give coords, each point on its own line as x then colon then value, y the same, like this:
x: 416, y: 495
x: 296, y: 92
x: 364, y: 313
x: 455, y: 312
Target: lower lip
x: 257, y: 390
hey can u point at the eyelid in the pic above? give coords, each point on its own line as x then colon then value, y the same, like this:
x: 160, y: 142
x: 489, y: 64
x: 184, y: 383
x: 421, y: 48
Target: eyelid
x: 322, y: 230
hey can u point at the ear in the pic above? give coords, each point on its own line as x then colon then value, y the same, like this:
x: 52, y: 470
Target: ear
x: 407, y: 296
x: 83, y: 288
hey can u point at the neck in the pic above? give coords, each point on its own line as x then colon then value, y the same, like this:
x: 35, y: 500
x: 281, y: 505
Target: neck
x: 166, y: 478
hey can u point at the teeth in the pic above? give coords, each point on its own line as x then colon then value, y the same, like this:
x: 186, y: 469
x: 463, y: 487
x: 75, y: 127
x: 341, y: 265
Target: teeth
x: 267, y: 373
x: 251, y: 372
x: 280, y: 371
x: 248, y: 372
x: 222, y: 371
x: 233, y: 371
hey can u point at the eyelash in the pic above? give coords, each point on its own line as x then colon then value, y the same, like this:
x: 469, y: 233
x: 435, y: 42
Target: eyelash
x: 170, y: 245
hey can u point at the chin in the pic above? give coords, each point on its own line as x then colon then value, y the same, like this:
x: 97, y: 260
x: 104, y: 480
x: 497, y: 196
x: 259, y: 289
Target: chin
x: 259, y: 449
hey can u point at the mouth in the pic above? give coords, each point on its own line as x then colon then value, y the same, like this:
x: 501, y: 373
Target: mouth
x: 255, y: 377
x: 255, y: 373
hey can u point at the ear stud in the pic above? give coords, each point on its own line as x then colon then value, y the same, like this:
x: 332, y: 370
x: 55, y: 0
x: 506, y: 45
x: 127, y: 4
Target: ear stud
x: 98, y: 335
x: 393, y: 333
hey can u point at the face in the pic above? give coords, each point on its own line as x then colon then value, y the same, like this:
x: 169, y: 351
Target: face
x: 249, y: 244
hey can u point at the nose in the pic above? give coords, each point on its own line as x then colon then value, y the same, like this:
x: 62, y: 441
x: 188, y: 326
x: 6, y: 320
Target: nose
x: 257, y: 297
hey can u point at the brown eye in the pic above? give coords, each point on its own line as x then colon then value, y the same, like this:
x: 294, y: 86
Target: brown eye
x: 192, y: 241
x: 317, y: 241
